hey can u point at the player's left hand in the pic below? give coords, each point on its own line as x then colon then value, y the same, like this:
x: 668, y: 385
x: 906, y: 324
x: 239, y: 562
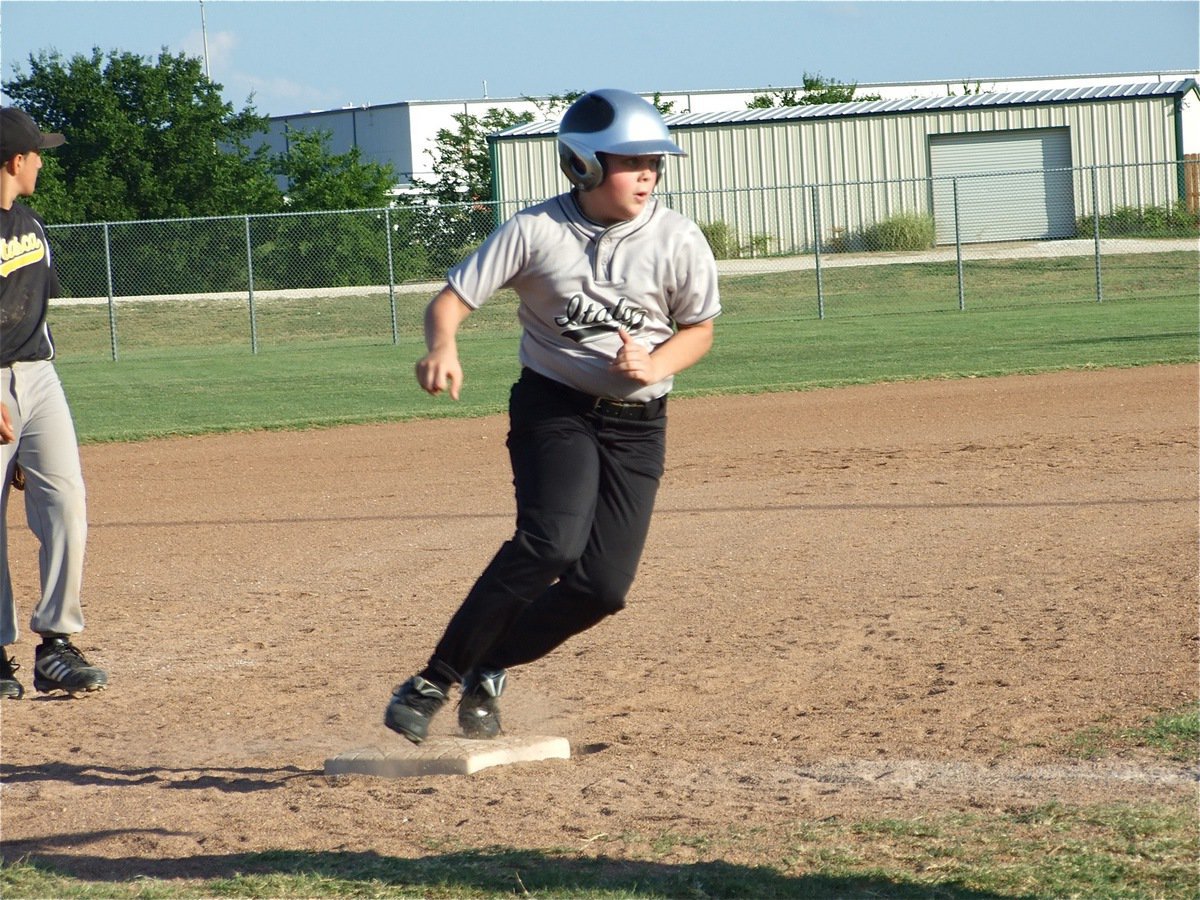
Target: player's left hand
x: 634, y: 361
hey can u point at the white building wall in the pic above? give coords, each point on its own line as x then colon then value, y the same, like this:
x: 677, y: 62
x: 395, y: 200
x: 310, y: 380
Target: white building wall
x: 383, y: 134
x: 404, y: 133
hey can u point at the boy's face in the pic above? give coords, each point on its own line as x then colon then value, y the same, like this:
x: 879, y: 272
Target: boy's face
x: 24, y: 168
x: 623, y: 194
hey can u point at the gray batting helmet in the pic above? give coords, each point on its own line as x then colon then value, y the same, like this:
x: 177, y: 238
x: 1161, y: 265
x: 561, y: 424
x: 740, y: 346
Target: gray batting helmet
x: 609, y: 121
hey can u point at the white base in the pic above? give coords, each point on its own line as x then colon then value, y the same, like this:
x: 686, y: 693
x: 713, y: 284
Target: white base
x: 446, y: 756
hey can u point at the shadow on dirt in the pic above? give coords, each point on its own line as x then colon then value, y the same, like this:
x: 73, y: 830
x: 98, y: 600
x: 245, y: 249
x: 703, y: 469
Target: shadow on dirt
x: 239, y: 781
x: 504, y: 872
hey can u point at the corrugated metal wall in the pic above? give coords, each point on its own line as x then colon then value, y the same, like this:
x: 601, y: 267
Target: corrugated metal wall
x: 866, y: 168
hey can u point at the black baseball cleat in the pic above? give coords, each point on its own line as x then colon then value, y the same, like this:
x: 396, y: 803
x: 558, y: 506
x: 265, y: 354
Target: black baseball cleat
x: 478, y: 711
x: 59, y: 666
x: 412, y: 705
x: 10, y: 688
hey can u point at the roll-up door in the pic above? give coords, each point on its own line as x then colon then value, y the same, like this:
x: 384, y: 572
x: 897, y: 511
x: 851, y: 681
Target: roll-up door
x: 1011, y: 185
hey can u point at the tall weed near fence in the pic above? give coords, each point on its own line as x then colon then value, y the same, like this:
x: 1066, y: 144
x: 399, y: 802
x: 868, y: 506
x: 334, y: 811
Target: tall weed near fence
x: 905, y: 231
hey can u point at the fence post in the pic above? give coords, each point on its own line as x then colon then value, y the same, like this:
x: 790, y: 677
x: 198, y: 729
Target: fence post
x: 1096, y: 235
x: 112, y: 306
x: 816, y: 204
x: 250, y: 287
x: 387, y: 224
x: 958, y: 249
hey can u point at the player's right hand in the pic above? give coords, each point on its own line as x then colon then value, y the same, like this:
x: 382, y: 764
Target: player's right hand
x: 7, y: 435
x: 438, y: 372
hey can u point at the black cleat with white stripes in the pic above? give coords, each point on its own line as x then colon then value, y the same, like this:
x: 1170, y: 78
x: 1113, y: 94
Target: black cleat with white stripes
x: 59, y: 666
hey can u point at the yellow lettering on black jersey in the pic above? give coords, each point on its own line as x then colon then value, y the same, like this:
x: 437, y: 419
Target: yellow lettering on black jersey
x: 18, y: 252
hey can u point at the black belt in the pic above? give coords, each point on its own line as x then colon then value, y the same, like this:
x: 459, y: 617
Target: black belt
x: 604, y: 406
x: 629, y: 409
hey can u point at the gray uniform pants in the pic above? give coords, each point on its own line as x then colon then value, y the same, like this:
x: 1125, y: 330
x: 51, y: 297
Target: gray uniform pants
x: 55, y: 505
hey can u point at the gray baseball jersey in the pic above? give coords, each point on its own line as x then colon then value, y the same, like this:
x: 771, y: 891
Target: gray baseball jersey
x: 579, y: 282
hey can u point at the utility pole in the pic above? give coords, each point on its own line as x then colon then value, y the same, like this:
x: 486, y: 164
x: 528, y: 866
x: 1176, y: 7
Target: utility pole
x: 204, y: 35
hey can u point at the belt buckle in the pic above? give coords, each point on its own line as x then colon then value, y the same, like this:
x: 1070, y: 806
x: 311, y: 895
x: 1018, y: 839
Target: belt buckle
x: 619, y: 409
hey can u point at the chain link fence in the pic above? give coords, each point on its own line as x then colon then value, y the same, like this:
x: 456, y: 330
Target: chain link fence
x: 855, y: 248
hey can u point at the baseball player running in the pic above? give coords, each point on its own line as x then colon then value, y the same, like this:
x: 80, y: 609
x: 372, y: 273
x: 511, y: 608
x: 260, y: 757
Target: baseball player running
x: 37, y: 433
x: 617, y: 294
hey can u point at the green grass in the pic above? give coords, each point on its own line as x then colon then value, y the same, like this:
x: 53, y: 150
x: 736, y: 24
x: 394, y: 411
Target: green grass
x: 1047, y: 851
x: 866, y: 290
x: 1173, y: 734
x: 187, y: 368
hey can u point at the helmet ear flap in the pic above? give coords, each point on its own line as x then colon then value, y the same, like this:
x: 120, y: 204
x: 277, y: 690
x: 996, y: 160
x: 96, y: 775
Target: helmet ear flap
x: 583, y: 169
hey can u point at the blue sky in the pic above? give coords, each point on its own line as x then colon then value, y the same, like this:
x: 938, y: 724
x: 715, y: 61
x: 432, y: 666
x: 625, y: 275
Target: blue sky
x: 322, y: 54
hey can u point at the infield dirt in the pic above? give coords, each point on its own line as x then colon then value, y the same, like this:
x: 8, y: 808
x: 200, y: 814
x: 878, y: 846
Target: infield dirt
x: 882, y: 600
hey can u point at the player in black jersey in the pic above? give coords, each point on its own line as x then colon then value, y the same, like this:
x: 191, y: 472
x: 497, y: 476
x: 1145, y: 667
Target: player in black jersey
x: 38, y: 445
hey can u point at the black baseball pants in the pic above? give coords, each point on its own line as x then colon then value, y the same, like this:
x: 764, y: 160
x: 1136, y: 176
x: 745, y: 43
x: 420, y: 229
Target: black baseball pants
x: 586, y: 475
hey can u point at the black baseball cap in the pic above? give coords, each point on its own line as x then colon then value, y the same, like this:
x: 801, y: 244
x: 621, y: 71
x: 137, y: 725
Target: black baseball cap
x: 20, y: 134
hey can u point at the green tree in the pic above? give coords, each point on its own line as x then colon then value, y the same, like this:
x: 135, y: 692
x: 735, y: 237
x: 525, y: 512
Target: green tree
x: 816, y: 90
x: 462, y: 165
x: 319, y: 180
x: 664, y: 107
x: 551, y: 107
x: 969, y: 89
x: 455, y: 214
x: 775, y: 97
x: 346, y: 247
x: 145, y: 139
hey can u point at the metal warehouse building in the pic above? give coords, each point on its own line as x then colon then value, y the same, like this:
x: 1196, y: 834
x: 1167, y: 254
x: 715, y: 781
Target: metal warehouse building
x: 988, y: 167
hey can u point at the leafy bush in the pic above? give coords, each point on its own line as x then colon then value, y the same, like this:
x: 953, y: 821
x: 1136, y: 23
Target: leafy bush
x: 725, y: 246
x: 344, y: 249
x: 717, y: 235
x: 1136, y: 221
x: 759, y: 246
x: 906, y: 231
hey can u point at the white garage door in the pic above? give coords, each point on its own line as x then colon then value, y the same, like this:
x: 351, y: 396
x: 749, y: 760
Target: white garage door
x: 1008, y: 189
